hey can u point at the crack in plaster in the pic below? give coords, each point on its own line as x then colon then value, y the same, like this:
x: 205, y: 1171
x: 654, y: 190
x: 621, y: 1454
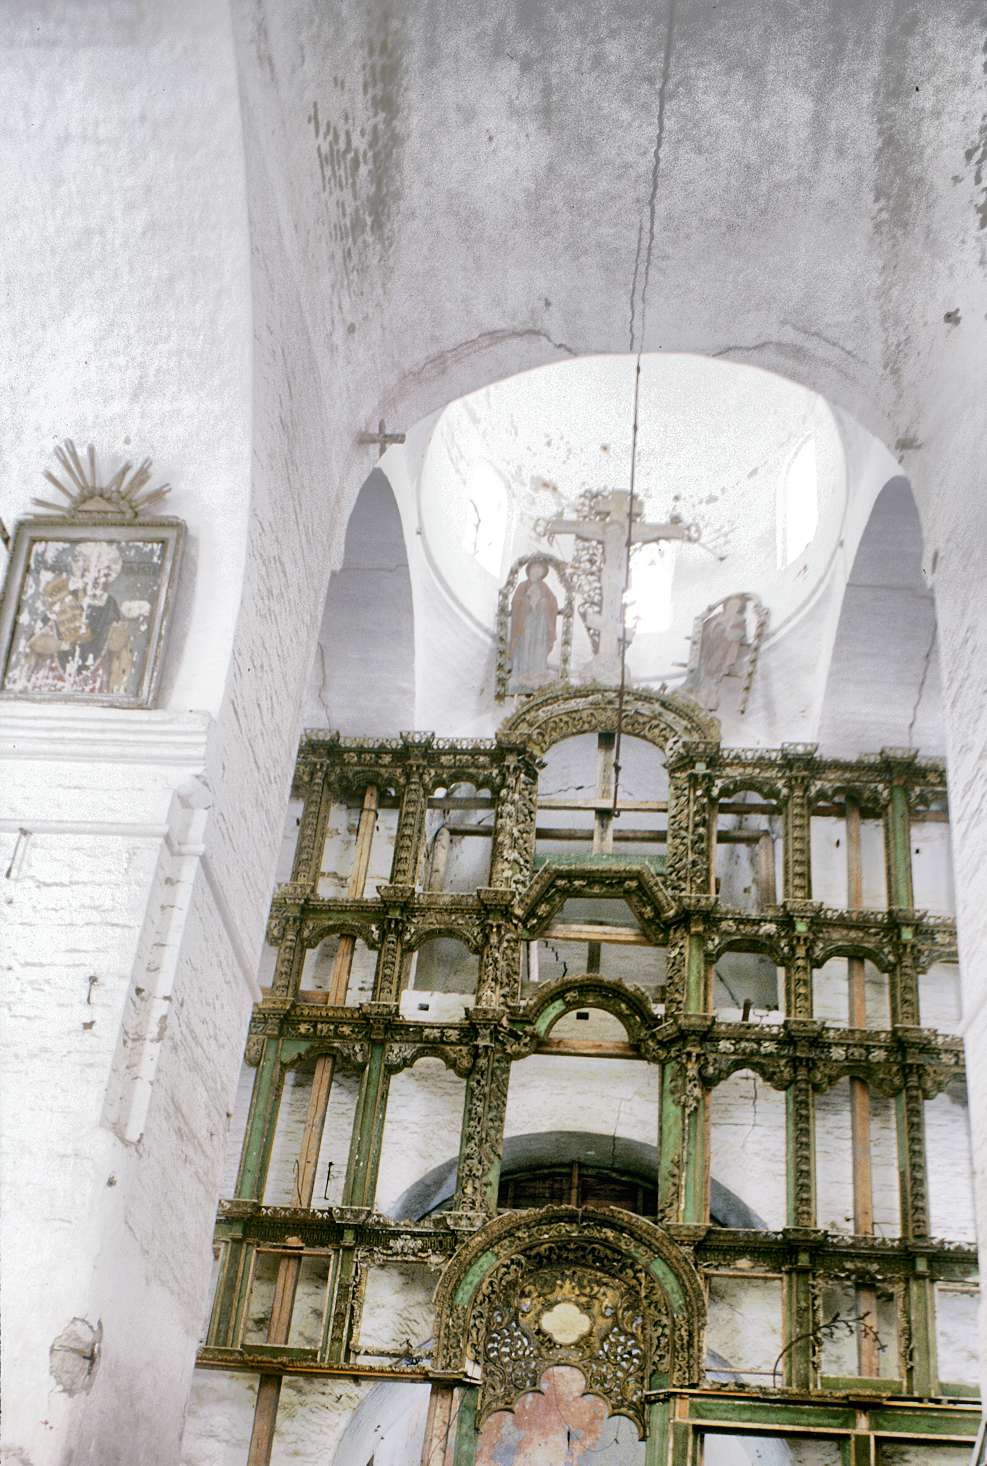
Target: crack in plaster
x: 921, y: 684
x: 637, y: 263
x: 753, y: 1110
x: 666, y: 69
x: 819, y: 336
x: 442, y: 361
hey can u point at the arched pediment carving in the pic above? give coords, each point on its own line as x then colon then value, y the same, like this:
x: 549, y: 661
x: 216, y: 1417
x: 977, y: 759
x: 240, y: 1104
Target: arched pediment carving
x: 596, y: 1288
x: 564, y: 712
x: 629, y: 1005
x: 823, y: 952
x: 634, y: 882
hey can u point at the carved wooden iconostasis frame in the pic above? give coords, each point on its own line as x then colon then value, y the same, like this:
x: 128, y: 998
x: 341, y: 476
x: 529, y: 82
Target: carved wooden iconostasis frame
x: 496, y: 1270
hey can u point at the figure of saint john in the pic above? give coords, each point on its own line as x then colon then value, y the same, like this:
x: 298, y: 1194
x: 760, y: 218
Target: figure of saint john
x: 534, y: 613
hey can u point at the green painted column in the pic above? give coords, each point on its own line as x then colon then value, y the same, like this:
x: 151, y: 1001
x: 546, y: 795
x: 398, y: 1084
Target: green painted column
x: 231, y: 1294
x: 898, y: 848
x: 682, y: 1165
x: 368, y: 1131
x: 659, y: 1436
x: 923, y: 1373
x: 261, y: 1123
x: 800, y: 1320
x: 682, y: 1443
x: 860, y: 1451
x: 464, y: 1449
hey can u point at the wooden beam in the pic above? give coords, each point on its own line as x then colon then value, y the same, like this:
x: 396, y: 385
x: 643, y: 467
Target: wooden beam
x: 438, y: 1424
x: 603, y: 819
x: 269, y: 1385
x: 339, y: 982
x: 440, y: 850
x: 628, y: 936
x: 767, y: 885
x: 588, y: 1048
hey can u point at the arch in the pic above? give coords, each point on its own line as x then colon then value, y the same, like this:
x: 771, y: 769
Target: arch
x: 882, y: 960
x: 618, y: 1274
x: 657, y: 717
x: 468, y: 934
x: 367, y: 621
x: 629, y: 1005
x: 883, y: 684
x: 542, y: 1148
x: 734, y: 784
x: 768, y: 946
x: 633, y: 882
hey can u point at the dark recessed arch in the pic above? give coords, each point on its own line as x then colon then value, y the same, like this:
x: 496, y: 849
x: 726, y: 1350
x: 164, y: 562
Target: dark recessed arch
x: 542, y: 1149
x: 367, y: 624
x: 883, y: 685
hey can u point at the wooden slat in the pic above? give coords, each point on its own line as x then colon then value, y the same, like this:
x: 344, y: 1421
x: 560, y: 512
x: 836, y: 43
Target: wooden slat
x: 588, y: 1048
x: 438, y: 1423
x: 628, y: 936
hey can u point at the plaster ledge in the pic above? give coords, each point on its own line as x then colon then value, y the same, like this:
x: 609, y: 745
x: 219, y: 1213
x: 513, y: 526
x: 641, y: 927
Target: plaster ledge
x: 73, y: 732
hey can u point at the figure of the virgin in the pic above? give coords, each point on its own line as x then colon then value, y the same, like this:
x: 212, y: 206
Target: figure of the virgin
x: 534, y: 613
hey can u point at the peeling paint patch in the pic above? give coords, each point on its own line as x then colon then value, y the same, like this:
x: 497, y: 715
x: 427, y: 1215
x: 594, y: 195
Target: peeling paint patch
x: 74, y: 1356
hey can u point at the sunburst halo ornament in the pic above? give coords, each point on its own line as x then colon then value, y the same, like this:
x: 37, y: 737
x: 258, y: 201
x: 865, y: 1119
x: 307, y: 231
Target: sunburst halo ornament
x: 121, y: 496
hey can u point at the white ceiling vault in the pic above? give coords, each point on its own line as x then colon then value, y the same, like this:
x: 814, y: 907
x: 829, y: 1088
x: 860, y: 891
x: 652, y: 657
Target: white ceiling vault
x: 781, y: 485
x: 715, y: 446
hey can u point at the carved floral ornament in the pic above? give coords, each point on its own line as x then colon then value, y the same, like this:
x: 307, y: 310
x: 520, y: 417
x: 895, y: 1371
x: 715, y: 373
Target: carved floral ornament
x: 657, y: 717
x: 607, y: 1293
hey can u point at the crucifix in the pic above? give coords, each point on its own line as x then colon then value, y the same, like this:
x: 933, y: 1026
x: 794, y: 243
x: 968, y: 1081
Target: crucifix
x: 381, y: 437
x: 614, y: 531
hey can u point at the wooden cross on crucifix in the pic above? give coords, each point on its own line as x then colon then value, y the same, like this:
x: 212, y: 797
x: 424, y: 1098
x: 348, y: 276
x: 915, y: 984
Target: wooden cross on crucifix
x: 381, y: 437
x: 612, y: 531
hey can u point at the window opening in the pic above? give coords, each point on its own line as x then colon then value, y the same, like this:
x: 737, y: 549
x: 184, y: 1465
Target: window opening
x: 458, y: 839
x: 749, y: 852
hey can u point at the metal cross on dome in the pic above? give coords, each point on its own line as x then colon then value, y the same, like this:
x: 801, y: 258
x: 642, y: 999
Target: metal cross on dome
x: 615, y: 527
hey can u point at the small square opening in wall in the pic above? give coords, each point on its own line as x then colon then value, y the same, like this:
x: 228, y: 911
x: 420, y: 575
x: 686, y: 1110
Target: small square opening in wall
x: 584, y: 1016
x: 423, y: 1007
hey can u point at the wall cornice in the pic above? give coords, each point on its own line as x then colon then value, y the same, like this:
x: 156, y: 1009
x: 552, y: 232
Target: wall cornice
x: 67, y: 732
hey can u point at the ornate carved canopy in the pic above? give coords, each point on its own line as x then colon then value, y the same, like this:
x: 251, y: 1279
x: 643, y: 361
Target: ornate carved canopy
x: 594, y: 1288
x: 563, y: 712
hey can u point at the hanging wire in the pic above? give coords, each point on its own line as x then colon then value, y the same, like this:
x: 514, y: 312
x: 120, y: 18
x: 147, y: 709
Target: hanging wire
x: 627, y: 585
